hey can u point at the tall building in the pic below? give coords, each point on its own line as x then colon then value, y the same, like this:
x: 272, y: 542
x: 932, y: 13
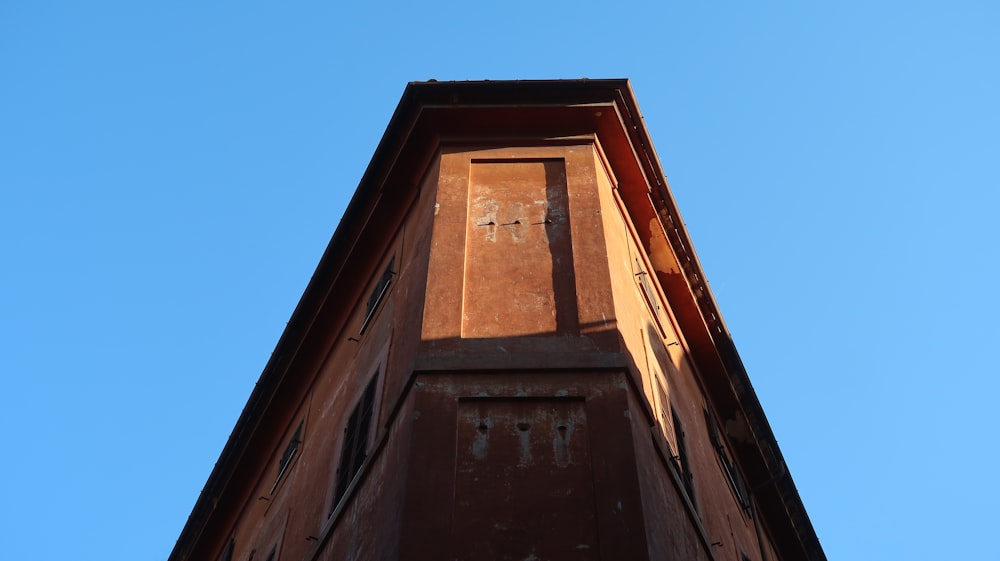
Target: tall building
x: 508, y: 351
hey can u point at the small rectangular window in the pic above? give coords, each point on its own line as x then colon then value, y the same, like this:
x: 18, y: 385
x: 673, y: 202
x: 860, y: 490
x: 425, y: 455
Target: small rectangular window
x: 729, y: 468
x: 381, y: 287
x: 681, y: 460
x: 355, y: 448
x: 651, y: 296
x: 664, y: 402
x: 289, y: 453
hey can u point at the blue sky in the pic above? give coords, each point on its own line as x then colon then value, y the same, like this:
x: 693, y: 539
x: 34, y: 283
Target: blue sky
x: 170, y: 174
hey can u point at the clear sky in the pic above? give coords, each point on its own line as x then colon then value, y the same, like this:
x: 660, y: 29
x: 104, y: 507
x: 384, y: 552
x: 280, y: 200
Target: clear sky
x: 170, y: 173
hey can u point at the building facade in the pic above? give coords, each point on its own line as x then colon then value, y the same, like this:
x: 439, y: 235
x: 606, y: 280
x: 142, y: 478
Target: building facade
x: 508, y: 351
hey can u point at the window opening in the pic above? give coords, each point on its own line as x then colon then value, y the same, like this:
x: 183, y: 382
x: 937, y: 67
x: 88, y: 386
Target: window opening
x: 355, y: 448
x: 728, y: 467
x: 665, y: 422
x: 650, y: 295
x: 287, y: 455
x: 378, y: 292
x: 681, y: 460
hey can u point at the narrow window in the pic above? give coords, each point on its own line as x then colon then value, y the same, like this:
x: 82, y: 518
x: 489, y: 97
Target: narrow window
x: 728, y: 467
x: 378, y: 292
x: 289, y: 453
x: 664, y: 407
x: 681, y: 461
x: 650, y: 295
x: 355, y: 448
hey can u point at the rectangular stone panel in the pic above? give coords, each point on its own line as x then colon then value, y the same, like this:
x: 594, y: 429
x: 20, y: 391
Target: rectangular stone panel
x: 523, y: 481
x: 519, y: 270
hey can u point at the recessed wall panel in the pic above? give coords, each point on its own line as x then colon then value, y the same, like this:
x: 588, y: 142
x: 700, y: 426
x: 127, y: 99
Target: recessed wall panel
x: 519, y: 270
x: 523, y: 484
